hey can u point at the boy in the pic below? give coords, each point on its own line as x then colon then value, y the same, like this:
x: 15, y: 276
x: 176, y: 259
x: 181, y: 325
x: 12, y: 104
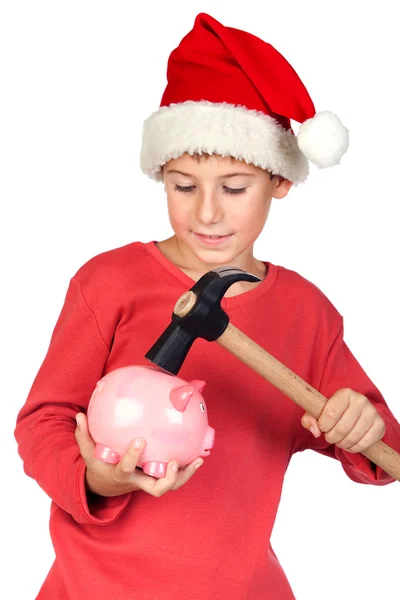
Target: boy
x: 118, y: 533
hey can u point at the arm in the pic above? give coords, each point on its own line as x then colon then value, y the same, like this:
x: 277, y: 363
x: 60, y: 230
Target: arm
x: 342, y: 370
x: 45, y: 429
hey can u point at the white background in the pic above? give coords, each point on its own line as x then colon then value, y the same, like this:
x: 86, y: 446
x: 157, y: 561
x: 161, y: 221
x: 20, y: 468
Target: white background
x: 78, y: 79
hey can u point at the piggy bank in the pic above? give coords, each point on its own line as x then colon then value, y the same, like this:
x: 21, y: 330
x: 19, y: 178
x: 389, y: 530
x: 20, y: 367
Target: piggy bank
x: 166, y: 411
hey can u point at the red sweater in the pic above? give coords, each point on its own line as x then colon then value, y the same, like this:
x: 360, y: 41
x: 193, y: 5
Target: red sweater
x: 210, y: 539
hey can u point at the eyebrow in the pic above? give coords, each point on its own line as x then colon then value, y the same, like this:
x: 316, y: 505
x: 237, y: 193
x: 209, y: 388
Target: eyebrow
x: 221, y: 176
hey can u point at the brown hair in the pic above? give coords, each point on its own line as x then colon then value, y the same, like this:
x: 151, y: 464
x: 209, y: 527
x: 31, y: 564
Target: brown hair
x: 199, y: 157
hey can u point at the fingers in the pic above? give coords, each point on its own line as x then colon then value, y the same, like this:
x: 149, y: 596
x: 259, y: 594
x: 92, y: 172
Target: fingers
x: 173, y: 480
x: 372, y: 436
x: 82, y: 435
x: 125, y: 468
x: 158, y: 487
x: 333, y: 410
x: 311, y: 424
x: 187, y: 473
x: 126, y: 471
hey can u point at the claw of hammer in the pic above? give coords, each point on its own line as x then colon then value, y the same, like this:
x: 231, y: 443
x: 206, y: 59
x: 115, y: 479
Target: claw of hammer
x: 197, y: 314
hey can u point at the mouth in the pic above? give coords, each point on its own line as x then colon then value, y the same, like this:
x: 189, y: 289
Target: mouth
x: 212, y: 239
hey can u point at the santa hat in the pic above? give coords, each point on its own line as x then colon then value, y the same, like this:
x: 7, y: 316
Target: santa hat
x: 231, y: 93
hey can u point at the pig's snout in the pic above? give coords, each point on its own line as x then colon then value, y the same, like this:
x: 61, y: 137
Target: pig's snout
x: 209, y: 440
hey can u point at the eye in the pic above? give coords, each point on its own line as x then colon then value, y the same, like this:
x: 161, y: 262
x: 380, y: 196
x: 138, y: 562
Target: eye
x: 234, y: 191
x: 203, y: 410
x: 189, y: 188
x: 181, y: 188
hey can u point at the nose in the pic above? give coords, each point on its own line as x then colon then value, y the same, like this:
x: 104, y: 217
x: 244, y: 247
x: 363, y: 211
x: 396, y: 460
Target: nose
x: 208, y: 208
x: 209, y: 440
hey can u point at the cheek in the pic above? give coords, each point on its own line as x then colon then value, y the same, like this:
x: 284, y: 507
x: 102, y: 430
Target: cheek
x: 253, y: 217
x: 253, y: 209
x: 263, y: 210
x: 178, y: 210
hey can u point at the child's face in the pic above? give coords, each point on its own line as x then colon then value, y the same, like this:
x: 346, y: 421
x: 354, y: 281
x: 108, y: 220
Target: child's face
x: 219, y: 196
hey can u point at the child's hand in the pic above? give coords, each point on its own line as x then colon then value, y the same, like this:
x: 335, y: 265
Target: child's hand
x: 348, y: 420
x: 113, y: 480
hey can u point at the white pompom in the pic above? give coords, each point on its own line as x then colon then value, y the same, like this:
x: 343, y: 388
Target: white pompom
x: 323, y: 139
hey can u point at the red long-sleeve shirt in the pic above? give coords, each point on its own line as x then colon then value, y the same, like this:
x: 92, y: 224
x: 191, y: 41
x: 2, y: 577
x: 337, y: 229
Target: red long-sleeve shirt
x: 210, y: 539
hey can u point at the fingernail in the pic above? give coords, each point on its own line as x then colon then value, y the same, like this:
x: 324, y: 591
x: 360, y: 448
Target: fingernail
x: 138, y: 443
x: 198, y: 464
x: 174, y: 467
x: 313, y: 431
x: 78, y: 420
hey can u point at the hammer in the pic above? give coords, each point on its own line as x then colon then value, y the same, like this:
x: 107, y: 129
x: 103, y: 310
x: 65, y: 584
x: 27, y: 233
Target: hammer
x: 198, y: 314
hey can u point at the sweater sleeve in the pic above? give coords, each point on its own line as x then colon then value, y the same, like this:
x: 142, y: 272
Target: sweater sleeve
x: 45, y: 428
x: 342, y: 370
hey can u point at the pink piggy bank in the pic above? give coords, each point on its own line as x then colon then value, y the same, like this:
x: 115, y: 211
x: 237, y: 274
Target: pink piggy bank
x: 168, y: 412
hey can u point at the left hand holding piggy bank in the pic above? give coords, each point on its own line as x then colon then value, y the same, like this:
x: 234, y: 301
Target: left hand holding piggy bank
x: 111, y: 480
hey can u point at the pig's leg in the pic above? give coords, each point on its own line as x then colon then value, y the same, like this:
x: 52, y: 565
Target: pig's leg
x: 106, y: 454
x: 155, y: 468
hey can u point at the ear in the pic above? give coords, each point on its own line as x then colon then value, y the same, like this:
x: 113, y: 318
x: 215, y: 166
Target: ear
x: 198, y: 384
x: 180, y: 396
x: 282, y: 188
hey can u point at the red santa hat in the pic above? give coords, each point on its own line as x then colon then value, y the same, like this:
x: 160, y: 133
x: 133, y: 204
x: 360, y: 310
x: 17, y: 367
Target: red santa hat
x: 233, y: 94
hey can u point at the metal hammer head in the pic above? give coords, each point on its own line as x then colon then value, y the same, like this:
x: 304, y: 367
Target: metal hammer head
x: 197, y: 314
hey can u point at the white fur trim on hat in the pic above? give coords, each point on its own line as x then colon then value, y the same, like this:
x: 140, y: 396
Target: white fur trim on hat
x: 323, y: 139
x: 220, y: 128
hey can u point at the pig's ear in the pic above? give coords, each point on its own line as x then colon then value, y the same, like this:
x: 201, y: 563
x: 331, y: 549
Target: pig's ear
x: 198, y: 384
x: 180, y: 396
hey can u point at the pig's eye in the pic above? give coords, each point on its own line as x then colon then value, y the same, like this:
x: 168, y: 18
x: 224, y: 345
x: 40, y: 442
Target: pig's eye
x: 202, y: 407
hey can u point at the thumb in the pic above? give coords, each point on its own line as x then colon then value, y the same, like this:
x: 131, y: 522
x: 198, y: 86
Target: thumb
x: 85, y: 442
x: 310, y: 423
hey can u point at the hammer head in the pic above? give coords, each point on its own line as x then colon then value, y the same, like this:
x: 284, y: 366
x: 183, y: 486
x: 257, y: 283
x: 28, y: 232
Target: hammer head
x: 205, y: 319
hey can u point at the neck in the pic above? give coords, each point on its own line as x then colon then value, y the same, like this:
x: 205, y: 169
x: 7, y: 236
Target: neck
x: 179, y: 253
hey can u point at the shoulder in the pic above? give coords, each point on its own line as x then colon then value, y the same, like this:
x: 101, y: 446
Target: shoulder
x: 305, y: 298
x: 111, y: 266
x: 113, y: 275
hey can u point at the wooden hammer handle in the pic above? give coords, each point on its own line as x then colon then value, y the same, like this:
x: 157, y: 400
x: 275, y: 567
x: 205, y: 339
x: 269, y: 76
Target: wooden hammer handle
x: 297, y: 390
